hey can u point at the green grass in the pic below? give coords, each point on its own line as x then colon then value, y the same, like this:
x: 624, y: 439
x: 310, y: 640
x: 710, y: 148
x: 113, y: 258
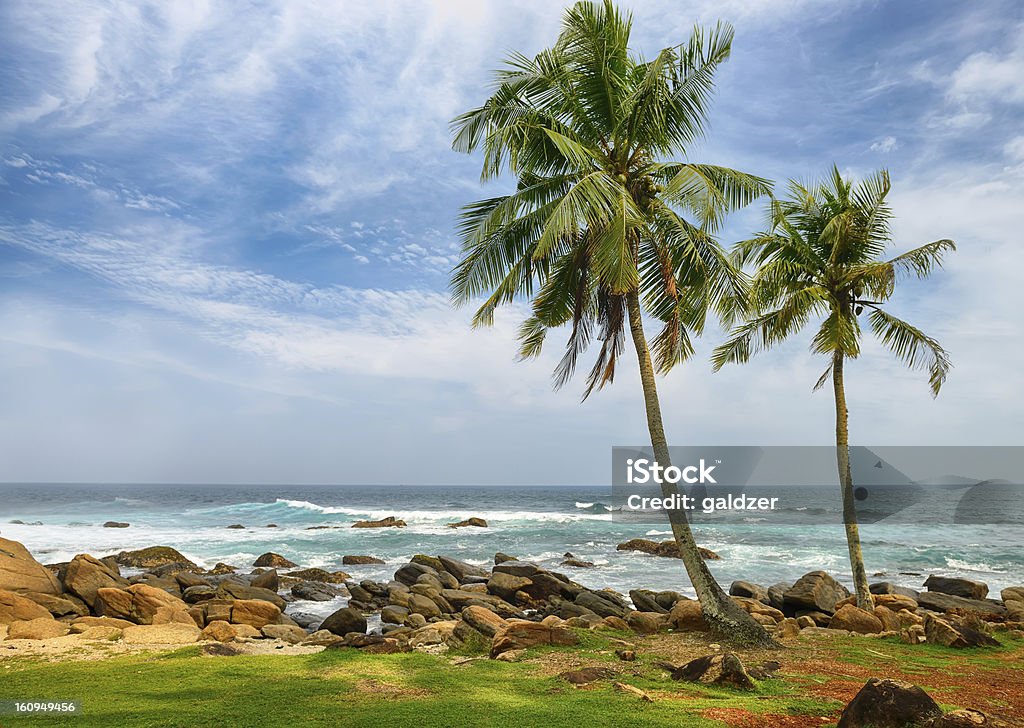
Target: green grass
x: 349, y: 688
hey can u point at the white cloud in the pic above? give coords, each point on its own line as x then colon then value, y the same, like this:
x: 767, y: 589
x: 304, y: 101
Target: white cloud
x: 885, y: 145
x: 1014, y: 149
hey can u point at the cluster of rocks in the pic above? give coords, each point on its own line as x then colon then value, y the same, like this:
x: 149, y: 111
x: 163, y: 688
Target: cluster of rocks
x: 952, y: 612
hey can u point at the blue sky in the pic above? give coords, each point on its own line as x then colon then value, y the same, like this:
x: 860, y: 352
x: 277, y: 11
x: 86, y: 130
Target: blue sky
x: 225, y: 232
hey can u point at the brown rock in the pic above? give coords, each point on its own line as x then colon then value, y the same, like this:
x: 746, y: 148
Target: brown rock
x: 957, y: 587
x: 272, y: 560
x: 152, y: 557
x: 856, y: 620
x: 719, y: 669
x: 389, y: 522
x: 519, y: 634
x: 687, y: 616
x: 142, y: 604
x: 939, y: 631
x: 506, y: 585
x: 16, y: 608
x: 19, y: 572
x: 889, y: 704
x: 320, y: 575
x: 65, y: 605
x: 815, y: 591
x: 419, y: 604
x: 586, y: 675
x: 254, y: 612
x: 889, y: 619
x: 477, y: 522
x: 968, y: 719
x: 220, y: 568
x: 161, y: 634
x: 86, y: 575
x: 284, y: 632
x: 41, y: 628
x: 83, y: 623
x: 646, y: 622
x: 940, y: 602
x: 668, y: 549
x: 100, y: 634
x: 360, y: 560
x: 483, y: 620
x: 219, y: 631
x: 788, y: 627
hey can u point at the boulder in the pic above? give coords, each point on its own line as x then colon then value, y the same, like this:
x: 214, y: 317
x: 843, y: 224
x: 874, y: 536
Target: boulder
x: 749, y: 590
x: 220, y: 568
x: 687, y: 616
x: 478, y: 522
x: 236, y: 527
x: 506, y: 585
x: 196, y: 594
x: 16, y: 608
x: 86, y: 575
x: 815, y: 591
x: 185, y: 579
x: 345, y: 620
x: 460, y: 569
x: 64, y: 605
x: 254, y: 612
x: 578, y: 564
x: 141, y: 604
x: 524, y: 569
x: 887, y: 587
x: 270, y: 560
x: 116, y: 524
x: 161, y: 634
x: 483, y: 620
x: 941, y: 602
x: 266, y: 580
x: 246, y: 632
x: 100, y: 634
x: 408, y: 574
x: 519, y: 634
x: 1013, y: 594
x: 419, y: 604
x: 586, y: 675
x: 718, y: 669
x: 857, y: 620
x: 284, y: 632
x: 601, y: 604
x: 889, y: 704
x: 320, y: 575
x: 351, y: 560
x: 668, y: 549
x: 313, y: 591
x: 41, y: 628
x: 20, y: 572
x: 83, y: 623
x: 889, y: 619
x: 646, y: 600
x: 968, y: 719
x: 500, y: 558
x: 152, y: 557
x: 234, y: 590
x: 389, y: 522
x: 394, y: 614
x: 219, y: 631
x: 957, y: 587
x: 947, y: 633
x: 646, y: 622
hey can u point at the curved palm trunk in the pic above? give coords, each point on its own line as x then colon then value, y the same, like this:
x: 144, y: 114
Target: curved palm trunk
x: 722, y: 614
x: 860, y: 575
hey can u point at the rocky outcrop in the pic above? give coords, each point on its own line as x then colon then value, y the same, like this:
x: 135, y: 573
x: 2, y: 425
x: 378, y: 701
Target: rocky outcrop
x: 86, y: 575
x: 320, y: 575
x: 389, y: 522
x: 749, y: 590
x: 519, y: 634
x: 313, y: 591
x: 955, y: 633
x: 889, y: 704
x: 234, y: 590
x: 270, y: 560
x: 20, y: 572
x: 477, y: 522
x: 854, y: 619
x: 151, y: 557
x: 41, y: 628
x: 141, y: 604
x: 668, y: 549
x: 957, y: 587
x: 815, y: 591
x: 16, y: 608
x: 65, y: 605
x: 355, y: 560
x: 940, y: 602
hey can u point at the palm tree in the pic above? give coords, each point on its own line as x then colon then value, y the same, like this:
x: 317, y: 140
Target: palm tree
x: 821, y: 258
x: 596, y: 231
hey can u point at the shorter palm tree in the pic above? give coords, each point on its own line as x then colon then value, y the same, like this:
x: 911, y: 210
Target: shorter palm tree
x: 821, y: 260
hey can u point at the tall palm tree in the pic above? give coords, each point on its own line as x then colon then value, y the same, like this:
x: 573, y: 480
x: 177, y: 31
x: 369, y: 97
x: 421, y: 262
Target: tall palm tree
x: 821, y: 259
x: 596, y: 231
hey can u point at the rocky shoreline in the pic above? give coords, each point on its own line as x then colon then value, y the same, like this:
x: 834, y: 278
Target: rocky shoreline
x: 434, y: 603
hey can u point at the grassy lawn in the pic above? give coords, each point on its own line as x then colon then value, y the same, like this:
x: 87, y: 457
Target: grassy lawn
x: 345, y: 687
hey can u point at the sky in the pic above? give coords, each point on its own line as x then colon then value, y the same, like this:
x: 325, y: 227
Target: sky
x: 226, y: 231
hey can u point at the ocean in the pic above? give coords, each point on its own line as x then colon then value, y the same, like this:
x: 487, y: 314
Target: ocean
x: 538, y: 524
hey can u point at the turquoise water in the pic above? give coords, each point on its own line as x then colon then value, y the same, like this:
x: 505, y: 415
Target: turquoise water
x: 535, y: 523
